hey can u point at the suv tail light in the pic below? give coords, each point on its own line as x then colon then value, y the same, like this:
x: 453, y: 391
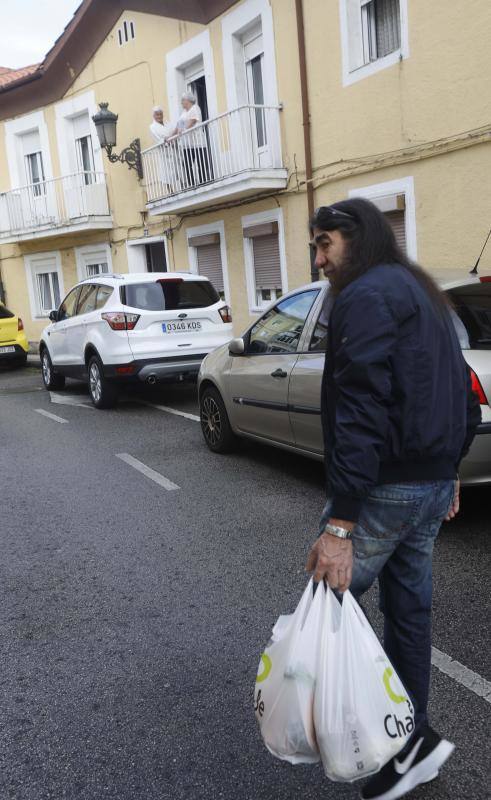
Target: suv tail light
x: 477, y: 388
x: 20, y: 325
x: 119, y: 321
x: 225, y: 313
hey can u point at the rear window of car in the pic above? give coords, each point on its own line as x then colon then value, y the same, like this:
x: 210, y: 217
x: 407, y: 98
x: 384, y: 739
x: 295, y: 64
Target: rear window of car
x: 473, y: 306
x: 169, y: 295
x: 5, y: 313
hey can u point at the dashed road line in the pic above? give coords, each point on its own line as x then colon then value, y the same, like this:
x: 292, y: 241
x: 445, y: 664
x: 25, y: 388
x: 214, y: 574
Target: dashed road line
x: 169, y: 410
x: 461, y: 674
x: 154, y: 476
x: 50, y: 416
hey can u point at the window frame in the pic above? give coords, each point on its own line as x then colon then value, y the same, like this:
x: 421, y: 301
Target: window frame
x: 92, y: 254
x: 349, y: 75
x: 35, y: 264
x: 403, y: 186
x: 316, y: 291
x: 273, y: 215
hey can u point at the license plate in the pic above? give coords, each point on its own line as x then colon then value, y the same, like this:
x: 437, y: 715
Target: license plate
x: 7, y: 350
x: 181, y: 326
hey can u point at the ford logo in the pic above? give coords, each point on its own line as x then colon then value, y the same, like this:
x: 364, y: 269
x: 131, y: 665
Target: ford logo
x: 182, y: 316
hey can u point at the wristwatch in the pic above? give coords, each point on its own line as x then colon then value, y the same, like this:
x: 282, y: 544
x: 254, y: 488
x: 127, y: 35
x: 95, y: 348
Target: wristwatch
x: 336, y: 530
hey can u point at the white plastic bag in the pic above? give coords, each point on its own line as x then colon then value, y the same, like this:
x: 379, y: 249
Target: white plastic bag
x: 362, y: 713
x: 284, y: 694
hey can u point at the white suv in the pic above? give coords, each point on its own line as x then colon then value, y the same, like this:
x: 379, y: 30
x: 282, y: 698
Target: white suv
x: 115, y: 328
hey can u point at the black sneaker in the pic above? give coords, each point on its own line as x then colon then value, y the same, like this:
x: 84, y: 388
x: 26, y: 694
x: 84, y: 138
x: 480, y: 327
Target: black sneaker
x: 419, y: 762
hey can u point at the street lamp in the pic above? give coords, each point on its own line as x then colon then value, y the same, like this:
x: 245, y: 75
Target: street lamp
x: 105, y: 125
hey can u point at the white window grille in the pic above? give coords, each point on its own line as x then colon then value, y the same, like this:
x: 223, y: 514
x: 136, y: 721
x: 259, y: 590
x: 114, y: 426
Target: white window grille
x: 47, y: 292
x: 96, y: 269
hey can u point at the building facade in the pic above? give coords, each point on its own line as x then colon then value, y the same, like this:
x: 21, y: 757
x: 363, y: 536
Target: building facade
x: 303, y: 103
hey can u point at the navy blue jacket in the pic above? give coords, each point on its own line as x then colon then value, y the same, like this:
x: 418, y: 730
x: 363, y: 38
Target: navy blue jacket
x: 396, y: 402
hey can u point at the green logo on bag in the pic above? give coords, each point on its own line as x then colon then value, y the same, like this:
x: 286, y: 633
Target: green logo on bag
x: 267, y: 664
x: 397, y: 698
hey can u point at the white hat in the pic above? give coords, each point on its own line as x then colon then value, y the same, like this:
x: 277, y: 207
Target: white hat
x: 156, y: 109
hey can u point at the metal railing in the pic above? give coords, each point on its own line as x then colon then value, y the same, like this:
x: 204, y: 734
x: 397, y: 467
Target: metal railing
x: 53, y: 203
x: 245, y: 139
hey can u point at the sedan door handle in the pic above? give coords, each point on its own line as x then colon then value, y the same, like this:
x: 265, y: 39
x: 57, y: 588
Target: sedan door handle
x: 279, y: 373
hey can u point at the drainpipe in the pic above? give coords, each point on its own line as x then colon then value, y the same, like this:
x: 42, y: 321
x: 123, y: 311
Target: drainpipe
x: 314, y: 272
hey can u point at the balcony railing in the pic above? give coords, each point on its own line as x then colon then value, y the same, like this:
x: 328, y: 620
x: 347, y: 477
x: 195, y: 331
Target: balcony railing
x: 70, y: 201
x: 243, y: 142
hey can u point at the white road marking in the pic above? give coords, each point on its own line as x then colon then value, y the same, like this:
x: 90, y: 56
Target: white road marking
x: 168, y: 410
x: 50, y: 416
x: 463, y: 675
x: 71, y: 400
x: 148, y: 472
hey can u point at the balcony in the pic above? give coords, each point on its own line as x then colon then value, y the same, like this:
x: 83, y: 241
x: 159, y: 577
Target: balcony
x: 237, y: 154
x: 73, y: 203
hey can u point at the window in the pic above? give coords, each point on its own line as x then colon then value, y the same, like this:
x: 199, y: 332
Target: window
x: 155, y: 257
x: 126, y: 32
x: 5, y: 313
x: 35, y: 173
x: 473, y: 306
x: 396, y: 199
x: 208, y: 259
x: 96, y: 269
x: 169, y: 294
x: 87, y: 299
x: 372, y: 32
x: 48, y: 292
x: 44, y: 282
x: 280, y: 329
x: 69, y: 305
x: 93, y: 260
x: 267, y: 262
x: 85, y: 158
x: 252, y: 42
x: 103, y: 295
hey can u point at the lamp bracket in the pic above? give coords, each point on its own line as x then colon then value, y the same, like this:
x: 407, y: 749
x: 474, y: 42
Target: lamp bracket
x: 130, y: 155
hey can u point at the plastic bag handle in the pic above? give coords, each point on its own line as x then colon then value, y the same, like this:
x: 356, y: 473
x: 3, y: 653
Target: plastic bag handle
x: 356, y: 609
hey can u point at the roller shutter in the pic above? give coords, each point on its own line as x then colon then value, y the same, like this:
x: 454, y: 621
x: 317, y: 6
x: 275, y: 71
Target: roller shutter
x: 398, y: 225
x: 267, y: 268
x: 209, y: 261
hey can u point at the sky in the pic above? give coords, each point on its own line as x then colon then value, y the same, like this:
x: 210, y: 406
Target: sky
x: 29, y: 28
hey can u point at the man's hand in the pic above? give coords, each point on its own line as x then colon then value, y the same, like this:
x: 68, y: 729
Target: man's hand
x: 454, y: 510
x: 332, y: 558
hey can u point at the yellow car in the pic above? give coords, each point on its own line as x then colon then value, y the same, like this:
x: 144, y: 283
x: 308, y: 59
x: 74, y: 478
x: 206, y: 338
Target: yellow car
x: 13, y: 343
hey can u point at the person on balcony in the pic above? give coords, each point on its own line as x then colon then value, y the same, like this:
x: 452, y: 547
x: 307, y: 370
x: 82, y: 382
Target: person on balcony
x: 160, y: 129
x: 162, y: 132
x: 193, y: 143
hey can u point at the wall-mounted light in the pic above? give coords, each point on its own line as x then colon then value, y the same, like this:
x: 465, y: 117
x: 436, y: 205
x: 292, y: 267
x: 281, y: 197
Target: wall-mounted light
x: 105, y: 125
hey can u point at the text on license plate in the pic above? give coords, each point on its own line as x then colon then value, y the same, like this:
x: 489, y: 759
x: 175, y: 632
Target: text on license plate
x: 7, y: 350
x: 181, y: 326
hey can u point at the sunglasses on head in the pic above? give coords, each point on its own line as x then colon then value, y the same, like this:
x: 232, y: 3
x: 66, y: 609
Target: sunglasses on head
x: 333, y: 212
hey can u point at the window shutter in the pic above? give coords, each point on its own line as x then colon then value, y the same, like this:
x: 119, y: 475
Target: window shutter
x: 209, y: 261
x: 31, y: 142
x: 397, y: 222
x: 267, y: 269
x: 81, y: 126
x: 388, y: 25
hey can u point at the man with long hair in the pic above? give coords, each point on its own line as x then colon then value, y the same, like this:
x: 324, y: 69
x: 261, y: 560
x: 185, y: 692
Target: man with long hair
x: 398, y: 416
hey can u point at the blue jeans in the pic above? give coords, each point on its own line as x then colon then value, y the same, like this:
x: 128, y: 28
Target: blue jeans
x: 393, y: 540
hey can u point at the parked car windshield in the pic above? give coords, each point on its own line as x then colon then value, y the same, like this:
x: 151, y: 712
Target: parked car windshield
x: 169, y: 295
x: 5, y: 313
x: 473, y: 306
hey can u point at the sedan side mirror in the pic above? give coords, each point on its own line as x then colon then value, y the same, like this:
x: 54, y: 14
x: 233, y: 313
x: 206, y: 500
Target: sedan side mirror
x: 53, y: 315
x: 236, y: 347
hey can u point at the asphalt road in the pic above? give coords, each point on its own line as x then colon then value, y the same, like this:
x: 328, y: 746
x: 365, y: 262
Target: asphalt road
x: 132, y: 618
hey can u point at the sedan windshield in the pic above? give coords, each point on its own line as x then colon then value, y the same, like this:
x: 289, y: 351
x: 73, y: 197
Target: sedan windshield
x: 473, y: 306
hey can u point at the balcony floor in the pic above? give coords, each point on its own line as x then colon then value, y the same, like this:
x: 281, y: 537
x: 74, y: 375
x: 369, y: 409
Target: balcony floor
x: 50, y: 230
x: 244, y: 184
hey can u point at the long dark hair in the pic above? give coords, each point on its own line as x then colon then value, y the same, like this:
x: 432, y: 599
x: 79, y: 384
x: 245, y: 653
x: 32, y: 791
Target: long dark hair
x: 371, y: 241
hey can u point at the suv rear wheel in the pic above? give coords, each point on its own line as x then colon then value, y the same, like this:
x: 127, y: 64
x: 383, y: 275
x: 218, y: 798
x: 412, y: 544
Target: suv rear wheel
x: 102, y: 392
x: 51, y: 379
x: 215, y: 422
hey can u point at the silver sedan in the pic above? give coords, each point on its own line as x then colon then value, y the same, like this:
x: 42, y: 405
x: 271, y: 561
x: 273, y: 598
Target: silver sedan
x: 266, y: 385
